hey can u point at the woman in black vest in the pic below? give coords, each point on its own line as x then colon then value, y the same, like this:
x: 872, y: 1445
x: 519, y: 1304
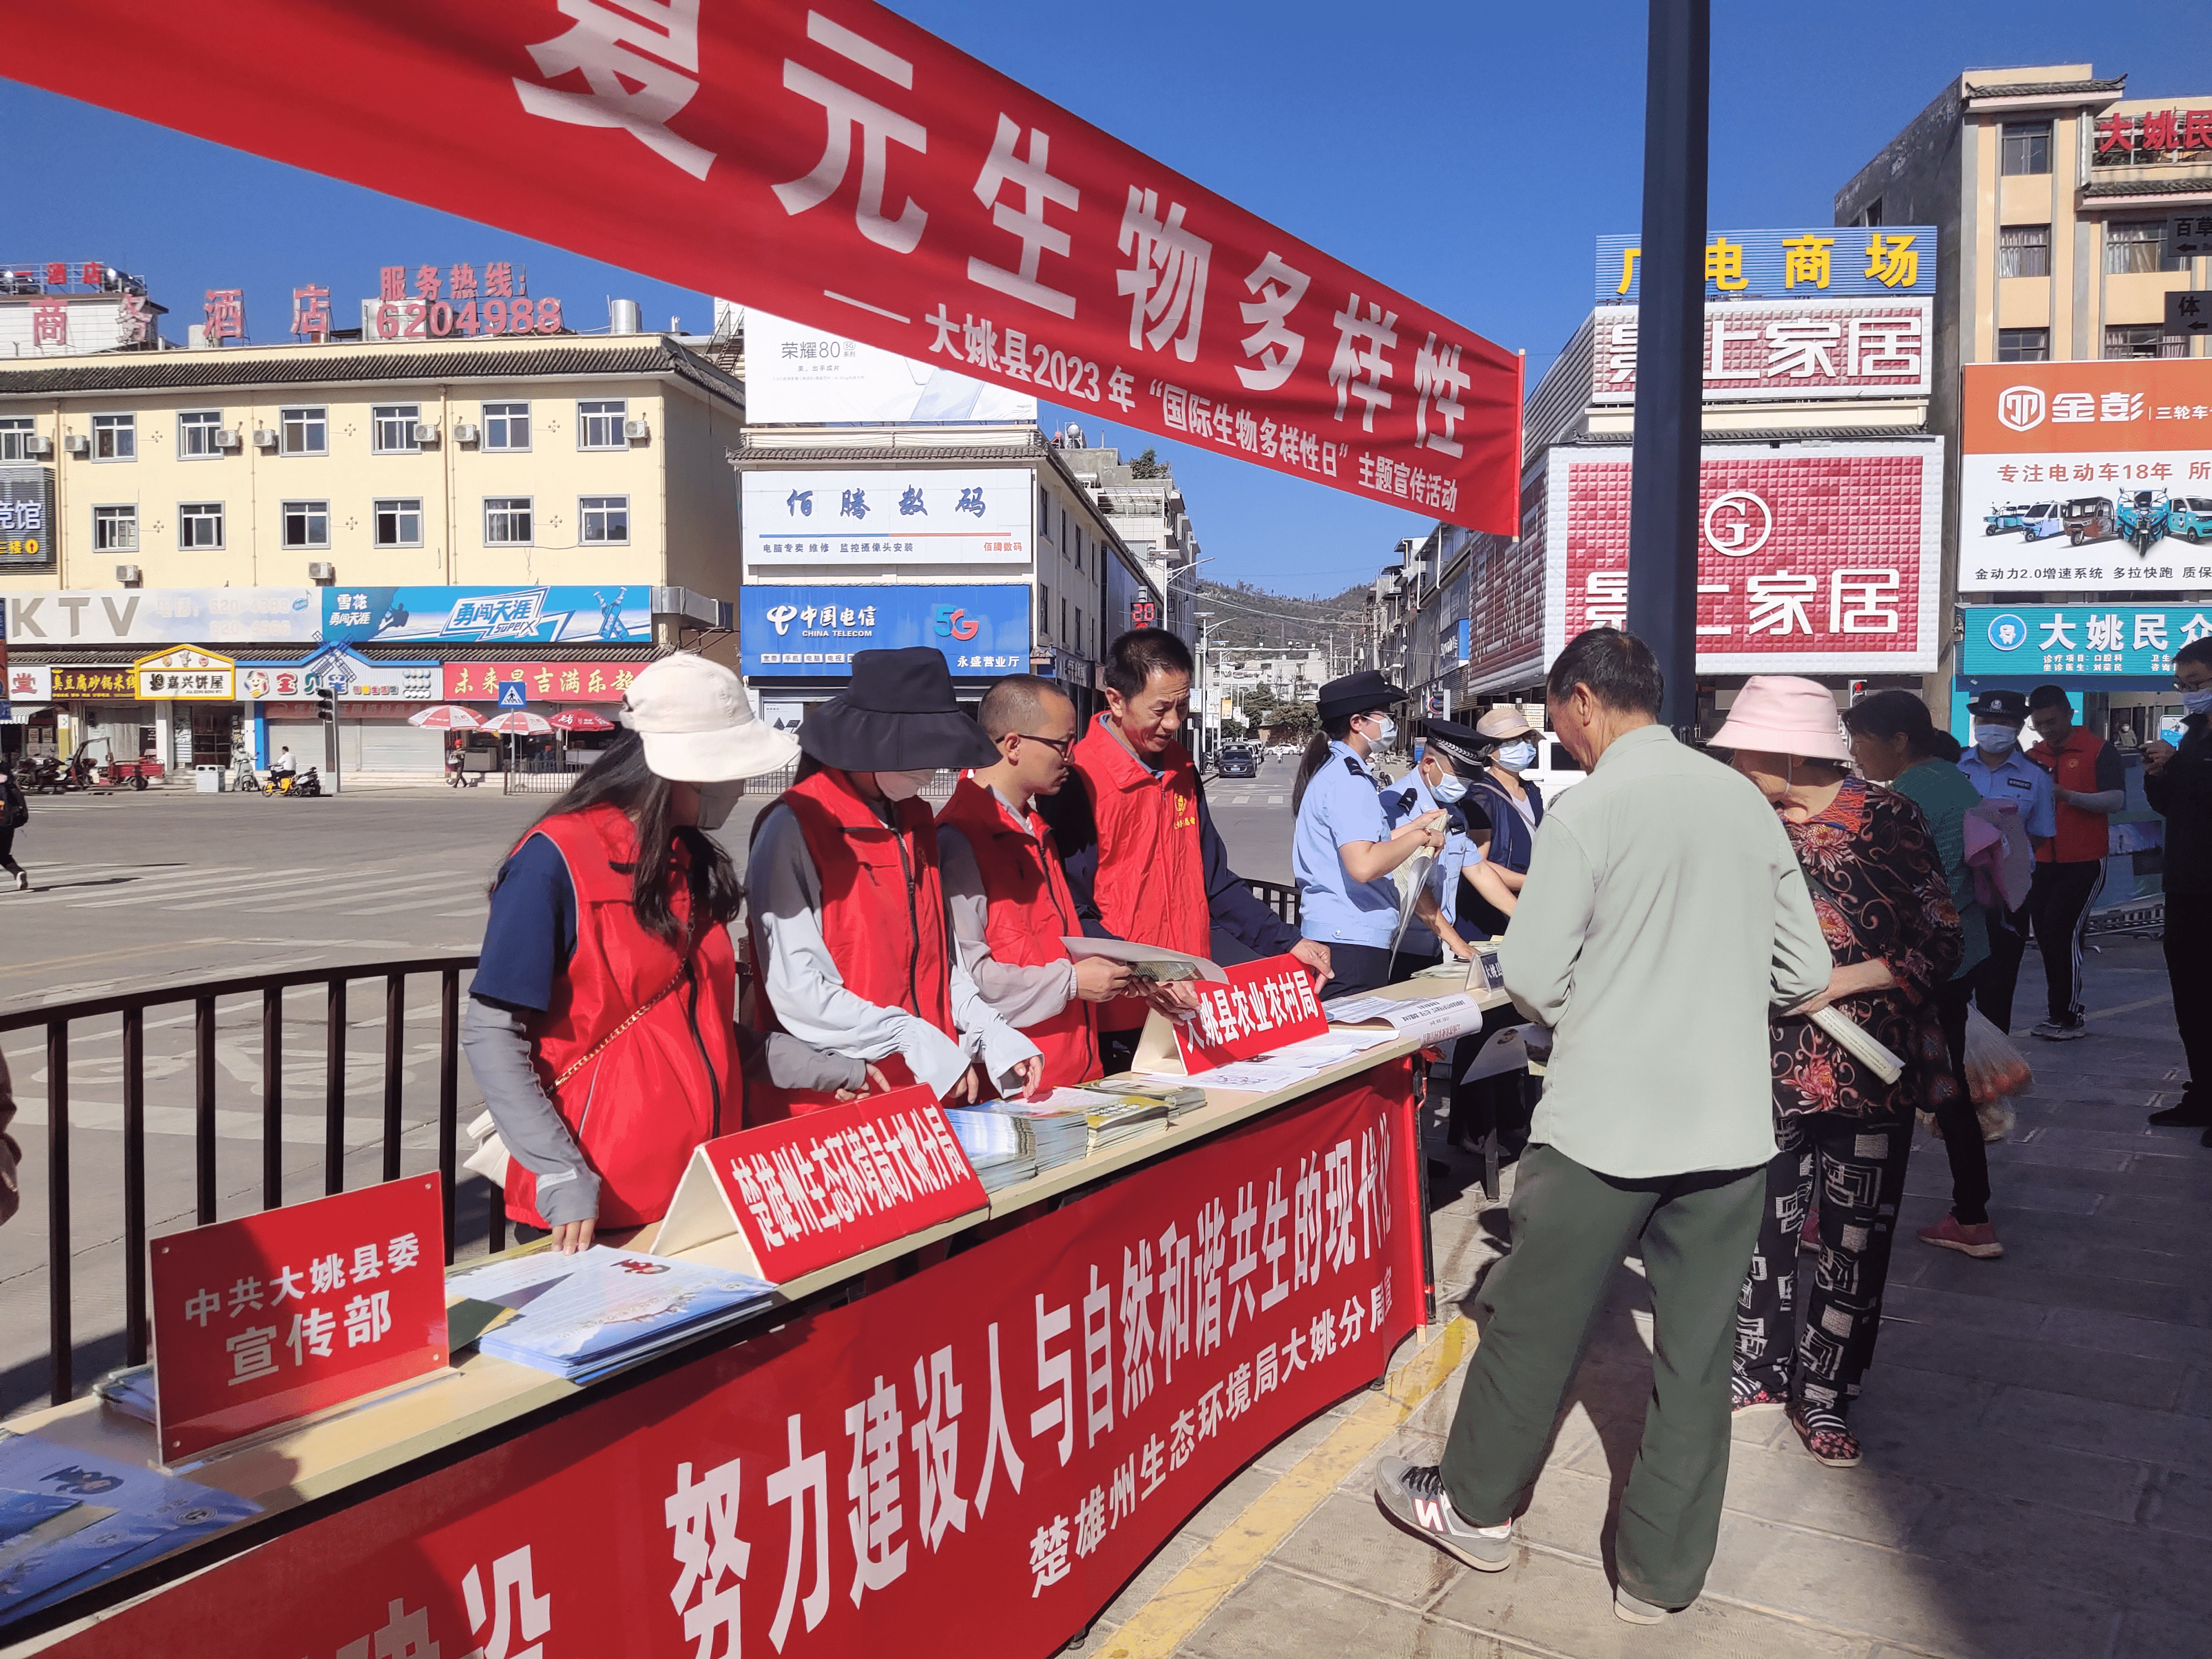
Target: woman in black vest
x: 1501, y: 812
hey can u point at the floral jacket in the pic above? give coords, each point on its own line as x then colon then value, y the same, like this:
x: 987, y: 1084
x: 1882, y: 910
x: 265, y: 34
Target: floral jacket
x: 1880, y: 891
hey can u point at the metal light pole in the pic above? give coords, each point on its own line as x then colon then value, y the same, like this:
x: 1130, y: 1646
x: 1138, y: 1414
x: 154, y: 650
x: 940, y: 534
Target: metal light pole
x: 1670, y: 316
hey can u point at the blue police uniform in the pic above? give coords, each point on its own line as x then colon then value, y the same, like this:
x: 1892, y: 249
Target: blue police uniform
x: 2016, y: 779
x: 1410, y: 798
x: 1341, y: 804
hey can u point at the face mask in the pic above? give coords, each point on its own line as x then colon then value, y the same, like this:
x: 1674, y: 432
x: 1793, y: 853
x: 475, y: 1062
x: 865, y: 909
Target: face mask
x: 718, y: 801
x: 1517, y: 756
x: 1448, y: 788
x: 1992, y: 738
x: 904, y: 786
x: 1386, y: 730
x: 2197, y: 703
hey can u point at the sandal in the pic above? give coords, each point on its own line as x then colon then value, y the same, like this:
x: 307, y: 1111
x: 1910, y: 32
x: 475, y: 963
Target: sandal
x: 1826, y: 1437
x: 1746, y: 1397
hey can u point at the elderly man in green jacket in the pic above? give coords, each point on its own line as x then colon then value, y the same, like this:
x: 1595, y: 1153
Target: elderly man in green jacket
x: 1663, y: 919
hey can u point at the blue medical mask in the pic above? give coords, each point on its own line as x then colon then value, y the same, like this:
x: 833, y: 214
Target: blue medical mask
x: 1517, y: 756
x: 1448, y: 789
x: 1993, y: 737
x: 2197, y: 703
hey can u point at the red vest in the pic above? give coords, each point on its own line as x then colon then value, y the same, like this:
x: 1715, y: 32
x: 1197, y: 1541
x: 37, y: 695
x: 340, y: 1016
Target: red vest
x: 1030, y: 911
x: 1150, y: 886
x: 672, y: 1080
x: 2083, y: 837
x: 882, y: 918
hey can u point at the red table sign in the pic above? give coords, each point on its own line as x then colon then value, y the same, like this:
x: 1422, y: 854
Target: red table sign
x: 1265, y: 1004
x: 271, y: 1316
x: 824, y: 1187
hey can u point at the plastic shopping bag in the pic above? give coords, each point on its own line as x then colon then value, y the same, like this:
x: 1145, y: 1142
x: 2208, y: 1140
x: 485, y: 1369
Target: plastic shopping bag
x: 1993, y: 1067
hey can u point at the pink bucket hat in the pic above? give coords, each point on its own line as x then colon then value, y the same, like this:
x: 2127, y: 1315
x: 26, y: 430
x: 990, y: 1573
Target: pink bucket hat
x: 1782, y: 715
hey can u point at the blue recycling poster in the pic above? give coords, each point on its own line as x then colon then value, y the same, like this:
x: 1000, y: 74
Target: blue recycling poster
x: 614, y: 613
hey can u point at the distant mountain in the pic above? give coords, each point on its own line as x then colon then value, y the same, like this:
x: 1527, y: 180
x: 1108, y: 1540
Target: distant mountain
x: 1246, y: 615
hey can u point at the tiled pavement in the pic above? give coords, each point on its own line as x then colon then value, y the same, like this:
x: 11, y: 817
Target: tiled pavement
x: 2037, y: 1430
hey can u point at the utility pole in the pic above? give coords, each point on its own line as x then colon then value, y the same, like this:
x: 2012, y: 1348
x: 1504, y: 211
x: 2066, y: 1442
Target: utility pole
x: 1670, y: 314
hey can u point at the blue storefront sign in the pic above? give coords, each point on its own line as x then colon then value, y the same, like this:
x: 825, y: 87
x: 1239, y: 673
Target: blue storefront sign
x: 527, y: 615
x: 814, y: 631
x: 2128, y: 641
x: 1825, y: 261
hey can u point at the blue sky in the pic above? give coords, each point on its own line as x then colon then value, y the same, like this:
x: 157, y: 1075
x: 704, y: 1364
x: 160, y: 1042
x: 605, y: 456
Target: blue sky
x: 1465, y: 152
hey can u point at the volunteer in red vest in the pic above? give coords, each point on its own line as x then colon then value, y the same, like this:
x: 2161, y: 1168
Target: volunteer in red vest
x: 2088, y: 784
x: 1011, y: 904
x: 1137, y: 844
x: 601, y: 1023
x: 850, y: 936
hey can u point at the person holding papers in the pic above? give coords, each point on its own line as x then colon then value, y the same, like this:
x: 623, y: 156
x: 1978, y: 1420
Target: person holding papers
x: 601, y: 1023
x: 1344, y: 850
x: 1009, y: 896
x: 849, y: 930
x: 1137, y: 844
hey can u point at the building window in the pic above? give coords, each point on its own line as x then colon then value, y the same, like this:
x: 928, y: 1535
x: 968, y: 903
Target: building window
x: 1044, y: 607
x: 399, y: 523
x: 600, y: 425
x: 2134, y: 340
x: 2023, y: 345
x: 195, y: 431
x: 2134, y: 245
x: 603, y: 517
x: 1078, y: 627
x: 507, y: 521
x: 393, y: 429
x: 306, y: 524
x: 115, y: 529
x: 2024, y: 251
x: 115, y: 437
x: 307, y: 431
x: 199, y: 525
x: 2026, y: 148
x: 506, y: 426
x: 15, y: 435
x: 1869, y: 216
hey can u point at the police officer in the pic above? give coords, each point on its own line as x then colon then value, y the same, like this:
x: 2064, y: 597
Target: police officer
x: 1999, y: 771
x: 1449, y: 756
x: 1343, y: 849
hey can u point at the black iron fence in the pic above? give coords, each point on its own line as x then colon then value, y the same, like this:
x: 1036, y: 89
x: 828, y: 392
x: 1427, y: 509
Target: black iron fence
x: 1279, y: 897
x: 60, y: 1022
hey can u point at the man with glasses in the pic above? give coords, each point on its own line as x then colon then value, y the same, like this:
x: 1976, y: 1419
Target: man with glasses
x: 1008, y: 896
x: 2178, y: 782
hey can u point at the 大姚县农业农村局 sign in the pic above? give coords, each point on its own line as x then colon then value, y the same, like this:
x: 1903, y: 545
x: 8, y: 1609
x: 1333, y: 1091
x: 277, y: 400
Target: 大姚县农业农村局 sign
x: 813, y: 631
x: 607, y: 613
x: 2134, y: 641
x: 857, y: 172
x: 1816, y: 261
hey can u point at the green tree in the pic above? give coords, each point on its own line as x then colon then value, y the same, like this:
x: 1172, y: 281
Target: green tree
x: 1147, y: 465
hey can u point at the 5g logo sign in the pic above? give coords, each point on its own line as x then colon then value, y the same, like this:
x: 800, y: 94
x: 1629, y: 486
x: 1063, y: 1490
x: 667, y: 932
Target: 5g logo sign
x: 953, y: 621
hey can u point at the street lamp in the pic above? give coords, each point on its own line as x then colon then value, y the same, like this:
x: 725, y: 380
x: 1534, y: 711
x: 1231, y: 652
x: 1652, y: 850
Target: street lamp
x: 1204, y: 619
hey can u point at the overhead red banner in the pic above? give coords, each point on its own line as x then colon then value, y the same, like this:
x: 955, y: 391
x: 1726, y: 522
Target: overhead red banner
x: 972, y: 1461
x: 838, y: 165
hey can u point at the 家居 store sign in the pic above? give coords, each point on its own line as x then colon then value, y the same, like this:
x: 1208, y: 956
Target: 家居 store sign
x: 840, y: 167
x: 1810, y: 561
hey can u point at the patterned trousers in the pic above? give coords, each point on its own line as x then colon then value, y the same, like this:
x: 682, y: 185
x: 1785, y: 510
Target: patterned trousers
x: 1854, y: 1168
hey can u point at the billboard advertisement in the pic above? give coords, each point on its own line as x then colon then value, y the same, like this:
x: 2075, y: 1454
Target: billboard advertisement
x: 814, y: 631
x: 2088, y: 476
x: 1810, y: 561
x: 27, y: 518
x: 163, y: 616
x: 798, y: 372
x: 885, y: 520
x: 611, y: 612
x: 2137, y: 641
x: 1783, y: 349
x: 1817, y: 260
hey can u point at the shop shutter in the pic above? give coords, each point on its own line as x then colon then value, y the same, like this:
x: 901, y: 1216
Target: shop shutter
x: 396, y: 746
x: 305, y: 739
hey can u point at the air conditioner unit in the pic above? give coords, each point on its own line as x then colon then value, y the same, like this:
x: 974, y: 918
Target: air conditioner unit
x: 226, y: 438
x: 464, y: 433
x: 75, y: 443
x: 42, y: 445
x: 426, y: 432
x: 635, y: 429
x: 127, y: 575
x: 319, y: 572
x: 263, y: 438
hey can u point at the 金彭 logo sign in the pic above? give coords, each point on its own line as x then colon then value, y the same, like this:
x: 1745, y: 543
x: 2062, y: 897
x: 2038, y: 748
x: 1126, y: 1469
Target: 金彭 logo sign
x: 2020, y: 407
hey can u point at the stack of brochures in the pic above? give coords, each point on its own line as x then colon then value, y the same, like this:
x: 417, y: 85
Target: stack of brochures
x: 1064, y: 1126
x: 1001, y: 1146
x: 586, y: 1315
x: 1177, y: 1098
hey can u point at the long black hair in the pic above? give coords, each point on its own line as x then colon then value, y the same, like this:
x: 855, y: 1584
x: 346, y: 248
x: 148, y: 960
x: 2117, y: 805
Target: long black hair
x: 1896, y: 713
x: 621, y: 779
x: 1332, y: 730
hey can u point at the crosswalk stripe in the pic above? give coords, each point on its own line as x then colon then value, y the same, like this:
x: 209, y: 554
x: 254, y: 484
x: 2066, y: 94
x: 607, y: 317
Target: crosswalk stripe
x: 357, y: 887
x: 77, y: 895
x: 1274, y: 800
x: 227, y: 883
x: 358, y: 893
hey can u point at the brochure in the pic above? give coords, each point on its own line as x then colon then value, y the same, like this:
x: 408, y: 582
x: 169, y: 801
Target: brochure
x: 616, y: 1307
x: 1152, y: 962
x: 1430, y: 1019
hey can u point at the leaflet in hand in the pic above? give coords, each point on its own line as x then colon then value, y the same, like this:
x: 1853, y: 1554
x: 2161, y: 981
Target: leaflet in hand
x: 617, y: 1306
x: 1147, y: 961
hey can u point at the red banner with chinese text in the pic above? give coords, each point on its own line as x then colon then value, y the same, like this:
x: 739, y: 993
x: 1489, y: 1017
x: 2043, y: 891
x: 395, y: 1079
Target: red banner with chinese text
x: 1263, y: 1005
x: 977, y: 1458
x: 541, y: 682
x: 762, y: 148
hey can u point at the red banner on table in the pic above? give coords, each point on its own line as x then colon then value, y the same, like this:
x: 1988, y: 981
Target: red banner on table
x: 976, y: 1459
x: 835, y: 164
x: 1265, y: 1004
x: 269, y: 1317
x: 824, y: 1187
x: 542, y: 682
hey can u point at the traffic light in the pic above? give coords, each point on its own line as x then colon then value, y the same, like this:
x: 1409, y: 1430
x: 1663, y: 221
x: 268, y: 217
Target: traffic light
x: 327, y: 706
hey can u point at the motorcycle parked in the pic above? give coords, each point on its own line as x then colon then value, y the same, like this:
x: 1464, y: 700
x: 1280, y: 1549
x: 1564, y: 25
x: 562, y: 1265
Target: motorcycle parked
x: 308, y: 782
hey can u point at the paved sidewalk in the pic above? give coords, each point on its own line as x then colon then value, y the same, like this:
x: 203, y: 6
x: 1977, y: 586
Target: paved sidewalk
x: 2038, y: 1432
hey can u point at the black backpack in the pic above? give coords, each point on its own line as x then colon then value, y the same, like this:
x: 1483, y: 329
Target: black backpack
x: 15, y: 809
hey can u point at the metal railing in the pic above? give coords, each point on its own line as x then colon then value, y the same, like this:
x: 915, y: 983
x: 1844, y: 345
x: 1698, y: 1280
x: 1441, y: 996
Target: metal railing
x: 1279, y: 897
x: 57, y: 1021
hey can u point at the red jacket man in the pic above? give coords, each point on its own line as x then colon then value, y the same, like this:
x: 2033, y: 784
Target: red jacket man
x: 1137, y: 844
x: 2088, y: 785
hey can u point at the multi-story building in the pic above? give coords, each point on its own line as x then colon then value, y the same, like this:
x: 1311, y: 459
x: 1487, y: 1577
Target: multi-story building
x: 402, y: 522
x: 1146, y: 508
